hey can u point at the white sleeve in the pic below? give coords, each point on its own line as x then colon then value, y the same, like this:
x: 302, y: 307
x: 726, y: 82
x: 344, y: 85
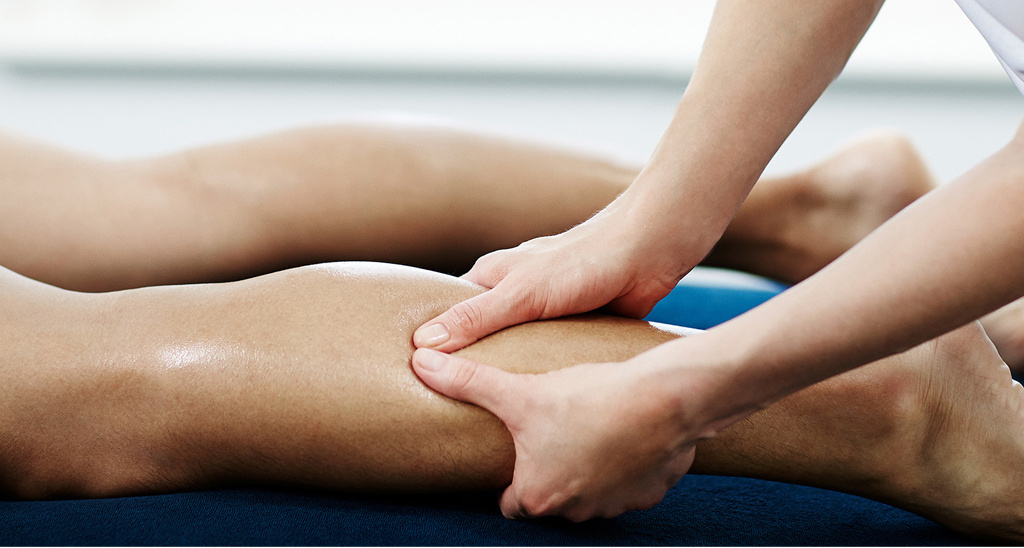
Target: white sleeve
x: 1001, y: 22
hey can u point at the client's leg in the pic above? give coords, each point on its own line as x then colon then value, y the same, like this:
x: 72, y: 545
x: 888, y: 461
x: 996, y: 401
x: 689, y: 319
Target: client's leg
x: 791, y: 227
x: 303, y: 377
x: 416, y: 195
x: 937, y: 430
x: 412, y: 195
x: 299, y: 377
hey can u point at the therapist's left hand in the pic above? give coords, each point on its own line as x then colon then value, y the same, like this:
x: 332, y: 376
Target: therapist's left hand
x: 592, y: 440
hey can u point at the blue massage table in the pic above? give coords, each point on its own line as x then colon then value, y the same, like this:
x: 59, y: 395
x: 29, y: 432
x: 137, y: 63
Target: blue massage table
x: 700, y: 510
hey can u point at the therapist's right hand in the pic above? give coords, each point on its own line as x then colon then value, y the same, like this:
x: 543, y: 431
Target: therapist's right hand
x: 603, y: 261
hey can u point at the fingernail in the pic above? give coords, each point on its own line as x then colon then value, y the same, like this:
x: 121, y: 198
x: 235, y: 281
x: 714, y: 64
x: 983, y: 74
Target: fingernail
x: 431, y: 360
x: 432, y: 335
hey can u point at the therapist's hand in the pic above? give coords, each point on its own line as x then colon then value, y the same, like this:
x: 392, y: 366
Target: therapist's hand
x: 604, y: 261
x: 592, y: 440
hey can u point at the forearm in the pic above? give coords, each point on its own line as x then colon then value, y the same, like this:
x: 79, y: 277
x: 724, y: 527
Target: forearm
x: 762, y: 66
x: 947, y: 259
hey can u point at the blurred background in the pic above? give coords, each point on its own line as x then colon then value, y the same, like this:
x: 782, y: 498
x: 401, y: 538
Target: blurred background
x: 127, y: 78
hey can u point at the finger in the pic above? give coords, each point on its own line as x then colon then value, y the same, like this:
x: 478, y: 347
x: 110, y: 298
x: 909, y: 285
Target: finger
x: 488, y: 270
x: 480, y: 276
x: 466, y: 380
x: 639, y: 302
x: 632, y: 308
x: 473, y: 319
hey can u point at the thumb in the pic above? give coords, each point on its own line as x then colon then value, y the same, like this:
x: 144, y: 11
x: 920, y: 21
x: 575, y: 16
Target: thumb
x: 473, y: 319
x: 465, y: 380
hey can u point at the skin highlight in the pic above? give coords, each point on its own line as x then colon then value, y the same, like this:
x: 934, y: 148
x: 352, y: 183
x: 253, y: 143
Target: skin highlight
x: 302, y: 378
x: 172, y: 388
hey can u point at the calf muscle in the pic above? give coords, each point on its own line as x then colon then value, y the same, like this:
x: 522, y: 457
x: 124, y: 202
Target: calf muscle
x: 300, y: 378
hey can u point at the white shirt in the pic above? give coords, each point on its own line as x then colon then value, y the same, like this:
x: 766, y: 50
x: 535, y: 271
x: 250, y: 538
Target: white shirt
x: 1001, y: 22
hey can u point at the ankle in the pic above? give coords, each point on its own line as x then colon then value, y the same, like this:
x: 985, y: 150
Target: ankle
x: 962, y: 450
x: 885, y: 409
x: 768, y: 236
x: 893, y: 454
x: 927, y: 462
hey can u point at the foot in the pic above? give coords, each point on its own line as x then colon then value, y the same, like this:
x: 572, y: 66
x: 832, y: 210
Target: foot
x: 959, y: 458
x: 1006, y: 329
x: 789, y: 228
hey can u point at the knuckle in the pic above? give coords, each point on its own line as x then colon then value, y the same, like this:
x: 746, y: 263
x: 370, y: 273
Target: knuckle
x: 578, y: 515
x: 494, y: 266
x: 466, y: 316
x: 522, y: 512
x: 535, y: 505
x: 484, y: 268
x: 539, y: 503
x: 463, y: 377
x: 524, y: 301
x: 529, y: 505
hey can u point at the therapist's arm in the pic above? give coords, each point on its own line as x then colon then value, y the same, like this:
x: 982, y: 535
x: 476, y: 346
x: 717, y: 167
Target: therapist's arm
x: 950, y: 257
x: 762, y: 67
x: 947, y: 259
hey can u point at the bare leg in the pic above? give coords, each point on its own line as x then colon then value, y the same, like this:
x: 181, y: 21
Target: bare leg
x: 422, y: 196
x: 937, y: 430
x: 791, y: 227
x: 299, y: 377
x: 303, y: 377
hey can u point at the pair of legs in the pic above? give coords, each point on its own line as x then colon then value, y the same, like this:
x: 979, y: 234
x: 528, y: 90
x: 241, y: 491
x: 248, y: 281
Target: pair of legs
x: 420, y: 196
x: 302, y: 377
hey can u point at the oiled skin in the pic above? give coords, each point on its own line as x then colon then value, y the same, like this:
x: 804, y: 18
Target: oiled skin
x: 299, y: 377
x: 339, y: 401
x: 303, y: 378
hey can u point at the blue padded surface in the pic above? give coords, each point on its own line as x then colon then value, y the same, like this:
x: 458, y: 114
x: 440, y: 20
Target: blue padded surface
x: 700, y: 510
x: 709, y: 296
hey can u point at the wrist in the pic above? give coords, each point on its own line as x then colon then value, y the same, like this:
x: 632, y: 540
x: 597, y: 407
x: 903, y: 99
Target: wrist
x: 653, y: 244
x: 678, y: 224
